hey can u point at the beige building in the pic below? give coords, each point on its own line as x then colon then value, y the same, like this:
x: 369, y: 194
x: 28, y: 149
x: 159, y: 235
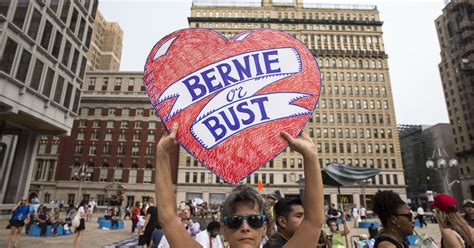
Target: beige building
x: 106, y: 46
x: 43, y: 46
x: 355, y: 120
x: 455, y: 35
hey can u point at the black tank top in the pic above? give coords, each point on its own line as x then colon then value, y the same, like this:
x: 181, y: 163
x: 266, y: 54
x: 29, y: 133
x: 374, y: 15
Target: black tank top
x: 382, y: 238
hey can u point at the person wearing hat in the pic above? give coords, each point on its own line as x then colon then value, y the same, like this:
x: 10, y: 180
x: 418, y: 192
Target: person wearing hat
x: 468, y: 207
x: 271, y: 200
x: 455, y: 232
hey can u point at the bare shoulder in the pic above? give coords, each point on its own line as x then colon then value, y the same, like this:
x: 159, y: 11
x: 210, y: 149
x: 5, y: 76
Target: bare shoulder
x: 386, y: 244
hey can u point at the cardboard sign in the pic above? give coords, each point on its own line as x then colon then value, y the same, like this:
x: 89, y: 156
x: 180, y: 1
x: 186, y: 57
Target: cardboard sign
x: 232, y: 98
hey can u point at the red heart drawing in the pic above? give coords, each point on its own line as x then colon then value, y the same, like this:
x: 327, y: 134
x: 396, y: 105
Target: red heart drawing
x: 232, y: 97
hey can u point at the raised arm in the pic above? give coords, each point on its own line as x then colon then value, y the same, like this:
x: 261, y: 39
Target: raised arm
x: 173, y: 228
x: 308, y: 232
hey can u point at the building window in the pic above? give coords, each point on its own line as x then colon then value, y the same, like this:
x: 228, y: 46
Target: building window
x: 120, y: 149
x: 20, y: 13
x: 132, y: 174
x: 118, y: 173
x: 22, y: 71
x: 106, y: 149
x: 34, y: 24
x: 93, y: 149
x: 186, y: 177
x: 47, y: 31
x: 66, y: 53
x: 59, y: 90
x: 104, y: 171
x: 151, y: 125
x: 147, y: 174
x: 101, y: 200
x: 135, y: 151
x: 54, y: 148
x: 149, y: 150
x: 70, y: 199
x: 151, y: 137
x: 124, y: 124
x: 39, y: 170
x: 8, y: 56
x: 78, y: 148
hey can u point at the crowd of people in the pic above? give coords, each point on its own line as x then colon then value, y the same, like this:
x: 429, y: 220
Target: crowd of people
x: 248, y: 219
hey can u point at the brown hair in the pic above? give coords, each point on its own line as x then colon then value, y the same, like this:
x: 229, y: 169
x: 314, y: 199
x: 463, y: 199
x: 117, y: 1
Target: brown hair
x: 457, y: 223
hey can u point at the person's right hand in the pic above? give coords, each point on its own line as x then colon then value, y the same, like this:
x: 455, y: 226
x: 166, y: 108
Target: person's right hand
x: 301, y: 143
x: 168, y: 140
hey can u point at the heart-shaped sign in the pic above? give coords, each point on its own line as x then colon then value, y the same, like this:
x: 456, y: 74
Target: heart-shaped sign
x: 232, y: 98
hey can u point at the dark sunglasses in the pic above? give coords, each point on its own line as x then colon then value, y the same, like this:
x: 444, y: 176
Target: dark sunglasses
x: 254, y: 221
x: 409, y: 216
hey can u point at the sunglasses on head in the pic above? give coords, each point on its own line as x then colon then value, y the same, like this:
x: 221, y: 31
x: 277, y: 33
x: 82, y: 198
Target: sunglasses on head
x: 254, y: 221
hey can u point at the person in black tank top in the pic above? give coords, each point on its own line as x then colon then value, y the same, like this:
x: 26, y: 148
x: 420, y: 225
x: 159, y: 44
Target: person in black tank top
x: 396, y: 217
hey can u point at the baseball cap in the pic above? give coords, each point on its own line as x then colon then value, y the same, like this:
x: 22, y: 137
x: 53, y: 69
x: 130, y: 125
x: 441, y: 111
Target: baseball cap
x: 445, y: 203
x: 468, y: 203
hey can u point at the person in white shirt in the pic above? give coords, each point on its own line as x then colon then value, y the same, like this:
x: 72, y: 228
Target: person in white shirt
x: 356, y: 216
x: 210, y: 237
x: 363, y: 213
x: 421, y: 219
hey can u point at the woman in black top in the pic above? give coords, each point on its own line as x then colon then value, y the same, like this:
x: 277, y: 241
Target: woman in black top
x: 396, y: 218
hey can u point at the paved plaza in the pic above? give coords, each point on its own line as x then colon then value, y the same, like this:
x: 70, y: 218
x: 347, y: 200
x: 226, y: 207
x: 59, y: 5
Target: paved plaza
x: 95, y: 237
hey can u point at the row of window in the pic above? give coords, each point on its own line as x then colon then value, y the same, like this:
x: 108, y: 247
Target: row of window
x: 334, y: 76
x: 118, y: 175
x: 120, y: 150
x: 355, y: 148
x: 122, y: 136
x: 350, y: 63
x: 351, y: 118
x: 353, y: 90
x: 111, y: 124
x: 348, y: 133
x: 353, y: 104
x: 287, y: 15
x: 117, y: 86
x: 343, y: 42
x: 42, y: 78
x: 116, y: 112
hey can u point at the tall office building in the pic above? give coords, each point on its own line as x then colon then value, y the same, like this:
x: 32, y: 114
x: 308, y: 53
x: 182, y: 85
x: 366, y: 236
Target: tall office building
x: 354, y: 122
x: 106, y: 46
x: 455, y: 29
x: 43, y: 46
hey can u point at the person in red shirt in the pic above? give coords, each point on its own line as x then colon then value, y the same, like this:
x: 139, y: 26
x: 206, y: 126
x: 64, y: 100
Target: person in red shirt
x: 135, y: 213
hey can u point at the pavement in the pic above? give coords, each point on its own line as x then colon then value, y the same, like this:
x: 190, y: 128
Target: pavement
x: 95, y: 237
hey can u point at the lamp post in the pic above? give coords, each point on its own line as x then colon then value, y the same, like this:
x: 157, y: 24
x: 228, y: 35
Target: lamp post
x: 442, y: 165
x: 81, y: 175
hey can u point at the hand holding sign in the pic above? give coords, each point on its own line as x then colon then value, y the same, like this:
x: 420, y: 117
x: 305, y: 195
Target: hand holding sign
x: 232, y: 98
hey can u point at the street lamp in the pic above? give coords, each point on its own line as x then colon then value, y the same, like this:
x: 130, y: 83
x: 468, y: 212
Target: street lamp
x: 81, y: 175
x: 442, y: 165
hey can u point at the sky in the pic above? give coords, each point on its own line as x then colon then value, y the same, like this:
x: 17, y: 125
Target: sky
x: 409, y: 35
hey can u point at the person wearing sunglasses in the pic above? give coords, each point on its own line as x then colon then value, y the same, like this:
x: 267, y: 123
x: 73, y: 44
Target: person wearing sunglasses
x: 244, y: 210
x: 396, y: 217
x: 455, y: 232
